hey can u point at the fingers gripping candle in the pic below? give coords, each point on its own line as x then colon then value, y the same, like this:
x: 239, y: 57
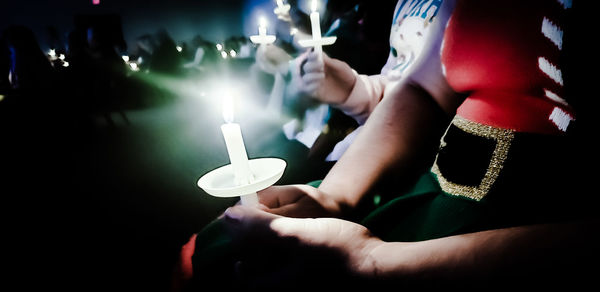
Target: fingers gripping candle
x: 237, y: 151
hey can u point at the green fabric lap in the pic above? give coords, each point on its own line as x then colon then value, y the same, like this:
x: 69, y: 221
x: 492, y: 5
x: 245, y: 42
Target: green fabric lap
x: 424, y: 212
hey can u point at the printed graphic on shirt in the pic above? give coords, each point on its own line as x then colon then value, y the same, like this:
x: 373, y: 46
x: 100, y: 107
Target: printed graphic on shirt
x: 410, y: 27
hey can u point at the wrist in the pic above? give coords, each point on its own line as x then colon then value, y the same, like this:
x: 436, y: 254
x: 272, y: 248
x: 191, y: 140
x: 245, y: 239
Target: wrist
x: 370, y: 265
x: 362, y: 97
x: 390, y: 260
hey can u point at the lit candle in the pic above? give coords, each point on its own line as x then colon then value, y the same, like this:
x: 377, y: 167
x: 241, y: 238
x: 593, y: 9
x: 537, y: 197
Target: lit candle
x: 317, y: 41
x: 262, y: 27
x: 237, y: 151
x: 262, y: 37
x: 52, y: 54
x: 315, y: 25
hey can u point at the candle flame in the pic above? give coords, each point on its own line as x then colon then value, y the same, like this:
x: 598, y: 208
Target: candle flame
x: 228, y: 108
x: 262, y: 21
x: 313, y: 6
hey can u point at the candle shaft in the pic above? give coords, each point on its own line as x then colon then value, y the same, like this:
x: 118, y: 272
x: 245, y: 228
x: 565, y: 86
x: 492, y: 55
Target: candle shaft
x: 315, y: 23
x: 237, y: 153
x: 249, y: 200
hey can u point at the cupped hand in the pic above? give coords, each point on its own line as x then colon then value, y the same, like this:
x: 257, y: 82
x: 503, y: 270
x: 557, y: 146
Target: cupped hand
x: 282, y: 249
x: 300, y: 201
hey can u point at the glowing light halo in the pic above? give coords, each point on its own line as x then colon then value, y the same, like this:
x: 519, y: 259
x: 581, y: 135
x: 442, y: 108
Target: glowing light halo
x: 209, y: 92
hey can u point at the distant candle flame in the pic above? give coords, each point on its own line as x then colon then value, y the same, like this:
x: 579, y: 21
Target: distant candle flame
x: 134, y: 66
x: 262, y: 22
x: 228, y: 107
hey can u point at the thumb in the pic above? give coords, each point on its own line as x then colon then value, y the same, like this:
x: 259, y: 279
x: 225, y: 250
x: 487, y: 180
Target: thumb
x: 252, y: 222
x: 246, y: 219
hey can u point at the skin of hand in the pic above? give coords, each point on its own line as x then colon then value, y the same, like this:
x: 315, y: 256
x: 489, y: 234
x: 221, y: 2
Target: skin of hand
x: 300, y: 201
x: 272, y: 59
x: 288, y: 250
x: 280, y: 250
x: 329, y: 81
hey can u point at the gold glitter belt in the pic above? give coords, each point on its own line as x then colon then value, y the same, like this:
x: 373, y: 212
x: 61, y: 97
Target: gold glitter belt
x: 471, y: 158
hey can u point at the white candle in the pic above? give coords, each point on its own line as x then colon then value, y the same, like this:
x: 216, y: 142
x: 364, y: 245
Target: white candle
x: 315, y: 24
x: 262, y: 27
x: 262, y: 37
x: 317, y: 41
x: 237, y: 151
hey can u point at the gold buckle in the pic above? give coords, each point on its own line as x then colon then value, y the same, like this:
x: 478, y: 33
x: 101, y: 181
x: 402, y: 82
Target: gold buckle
x: 503, y: 138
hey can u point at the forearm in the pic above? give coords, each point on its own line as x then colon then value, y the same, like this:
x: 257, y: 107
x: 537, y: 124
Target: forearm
x: 366, y: 93
x: 501, y: 254
x: 406, y: 123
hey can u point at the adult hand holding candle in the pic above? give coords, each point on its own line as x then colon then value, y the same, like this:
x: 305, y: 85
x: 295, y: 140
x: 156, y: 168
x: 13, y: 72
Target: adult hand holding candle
x: 237, y: 151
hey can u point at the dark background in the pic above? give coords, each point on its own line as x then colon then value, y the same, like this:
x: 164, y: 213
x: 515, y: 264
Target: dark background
x: 215, y: 20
